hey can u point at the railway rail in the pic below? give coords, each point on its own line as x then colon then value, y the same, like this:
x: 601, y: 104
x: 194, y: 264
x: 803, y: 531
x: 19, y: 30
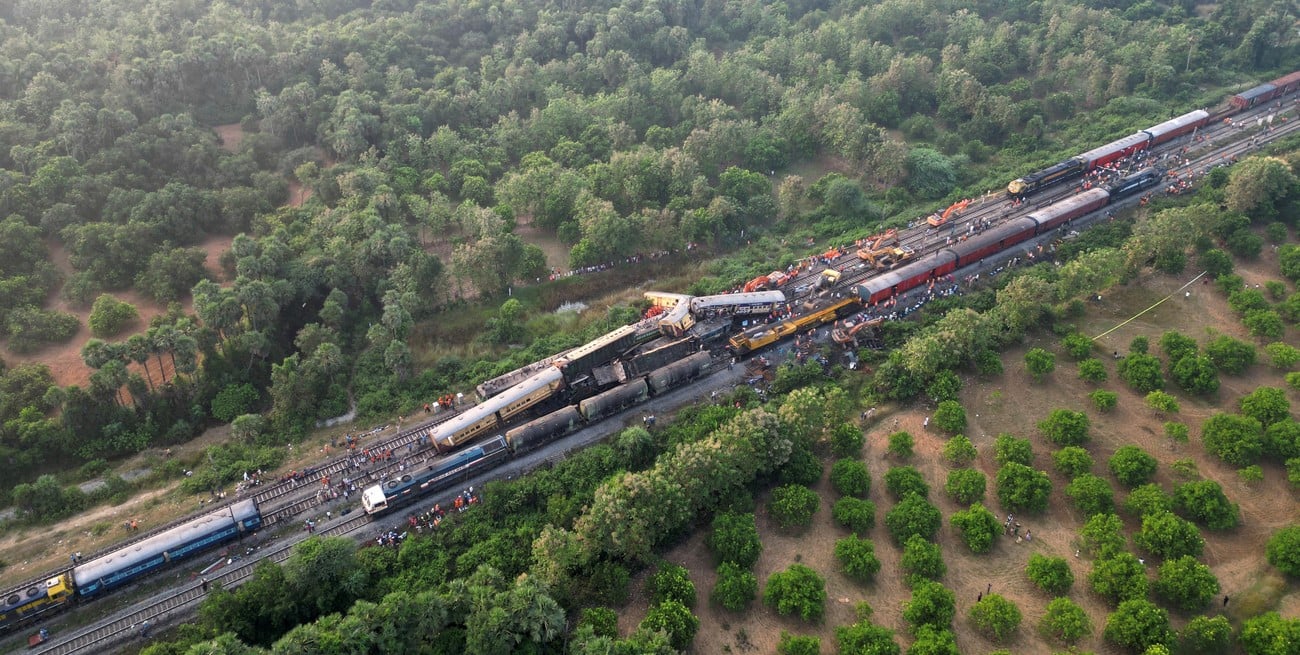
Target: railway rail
x: 1200, y: 156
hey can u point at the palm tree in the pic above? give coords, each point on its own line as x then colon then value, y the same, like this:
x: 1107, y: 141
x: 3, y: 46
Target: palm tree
x: 139, y: 349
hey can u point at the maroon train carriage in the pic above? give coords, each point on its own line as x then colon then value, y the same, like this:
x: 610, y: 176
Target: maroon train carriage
x: 990, y: 242
x: 1176, y: 127
x: 1286, y: 84
x: 1251, y: 97
x: 1115, y: 150
x: 901, y: 280
x: 1057, y: 214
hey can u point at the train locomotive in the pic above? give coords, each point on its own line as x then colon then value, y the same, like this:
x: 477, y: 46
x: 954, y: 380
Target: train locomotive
x: 1097, y: 157
x: 130, y: 562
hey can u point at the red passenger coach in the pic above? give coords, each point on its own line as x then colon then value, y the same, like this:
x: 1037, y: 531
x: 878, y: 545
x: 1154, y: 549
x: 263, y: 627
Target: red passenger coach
x: 1286, y: 84
x: 1115, y: 150
x: 1176, y: 127
x: 1062, y: 212
x: 902, y: 280
x: 993, y: 241
x: 1251, y: 97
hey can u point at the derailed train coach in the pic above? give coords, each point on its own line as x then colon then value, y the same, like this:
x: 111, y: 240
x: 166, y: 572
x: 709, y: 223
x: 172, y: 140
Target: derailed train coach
x: 539, y: 432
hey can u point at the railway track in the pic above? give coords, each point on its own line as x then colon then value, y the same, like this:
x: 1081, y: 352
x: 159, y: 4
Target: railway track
x: 96, y: 639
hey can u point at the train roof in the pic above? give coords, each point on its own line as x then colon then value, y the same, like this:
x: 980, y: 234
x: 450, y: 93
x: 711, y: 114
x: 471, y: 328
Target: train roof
x: 547, y: 375
x: 663, y: 298
x: 1173, y: 124
x: 151, y: 547
x: 1114, y: 146
x: 1256, y: 92
x: 898, y: 275
x: 1286, y: 80
x: 625, y: 332
x: 733, y: 299
x: 1046, y: 214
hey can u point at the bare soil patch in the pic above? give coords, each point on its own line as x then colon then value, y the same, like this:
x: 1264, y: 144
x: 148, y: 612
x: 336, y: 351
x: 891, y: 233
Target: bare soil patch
x: 557, y: 254
x: 64, y: 359
x: 231, y: 135
x: 1014, y: 403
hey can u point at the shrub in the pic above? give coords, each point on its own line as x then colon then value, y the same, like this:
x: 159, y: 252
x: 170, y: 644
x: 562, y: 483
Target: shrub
x: 1282, y: 440
x: 1282, y: 356
x: 1065, y: 427
x: 1270, y: 634
x: 1104, y: 400
x: 1132, y: 466
x: 922, y: 560
x: 959, y: 451
x: 1091, y: 495
x: 1039, y: 363
x: 857, y: 557
x: 793, y: 506
x: 1008, y: 448
x: 904, y: 480
x: 1142, y: 373
x: 671, y: 582
x: 1137, y: 625
x: 1284, y: 550
x: 867, y: 638
x: 1023, y: 488
x: 965, y: 486
x: 1195, y: 374
x: 1148, y: 499
x: 1072, y: 461
x: 854, y: 513
x: 996, y: 617
x: 675, y: 620
x: 1186, y: 583
x: 847, y: 441
x: 950, y: 417
x: 1230, y: 355
x: 1092, y: 370
x: 1102, y: 535
x: 1118, y: 578
x: 1162, y: 402
x: 735, y: 539
x: 1268, y: 405
x: 1065, y: 621
x: 798, y: 645
x: 1264, y: 323
x: 797, y: 590
x: 1077, y: 346
x: 1140, y: 345
x: 1245, y: 300
x: 109, y: 316
x: 603, y: 621
x: 913, y: 516
x: 31, y: 328
x: 946, y: 386
x: 736, y: 587
x: 1293, y: 380
x: 1176, y: 345
x: 1051, y: 574
x: 1203, y: 501
x: 1169, y: 536
x: 1177, y: 432
x: 1216, y: 262
x: 931, y: 604
x: 1205, y: 635
x: 234, y: 400
x: 978, y: 527
x: 900, y: 445
x: 849, y: 477
x: 1236, y: 439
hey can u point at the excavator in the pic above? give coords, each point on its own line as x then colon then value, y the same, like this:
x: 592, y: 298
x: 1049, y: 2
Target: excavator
x: 846, y: 332
x: 772, y: 280
x: 884, y: 251
x: 936, y: 219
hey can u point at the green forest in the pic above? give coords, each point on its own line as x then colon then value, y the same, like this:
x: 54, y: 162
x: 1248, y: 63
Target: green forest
x: 391, y: 151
